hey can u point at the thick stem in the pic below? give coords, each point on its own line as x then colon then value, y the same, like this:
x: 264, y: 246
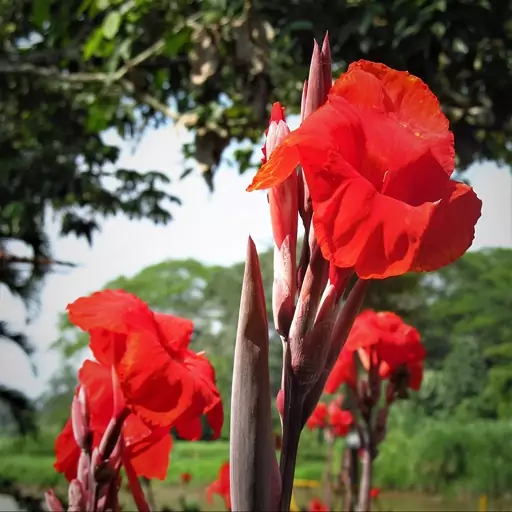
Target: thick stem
x: 328, y: 474
x: 366, y: 480
x: 292, y: 428
x: 350, y: 476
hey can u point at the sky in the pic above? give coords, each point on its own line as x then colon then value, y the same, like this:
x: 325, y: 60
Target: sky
x: 212, y: 228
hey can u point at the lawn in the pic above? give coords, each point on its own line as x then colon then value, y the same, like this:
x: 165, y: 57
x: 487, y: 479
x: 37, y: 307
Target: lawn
x: 34, y: 471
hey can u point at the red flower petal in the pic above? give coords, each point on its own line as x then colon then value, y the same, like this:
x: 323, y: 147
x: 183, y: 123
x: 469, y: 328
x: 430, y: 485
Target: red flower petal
x: 403, y: 97
x: 150, y: 457
x: 332, y: 123
x: 379, y: 235
x: 97, y: 382
x: 221, y: 486
x: 156, y: 387
x: 67, y: 452
x: 344, y: 371
x: 113, y: 310
x: 451, y: 228
x: 175, y: 331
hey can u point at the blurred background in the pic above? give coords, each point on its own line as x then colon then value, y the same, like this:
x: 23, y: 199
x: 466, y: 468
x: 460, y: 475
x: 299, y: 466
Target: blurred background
x: 129, y: 130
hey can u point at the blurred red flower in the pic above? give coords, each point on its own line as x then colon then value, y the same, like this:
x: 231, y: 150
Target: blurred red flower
x: 315, y: 505
x: 185, y: 478
x: 374, y: 493
x: 377, y: 158
x: 331, y: 416
x: 392, y: 345
x: 318, y: 418
x: 340, y: 420
x: 220, y: 486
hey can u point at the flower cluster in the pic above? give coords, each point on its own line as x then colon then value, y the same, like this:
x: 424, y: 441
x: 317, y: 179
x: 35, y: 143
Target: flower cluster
x: 368, y: 172
x: 144, y: 382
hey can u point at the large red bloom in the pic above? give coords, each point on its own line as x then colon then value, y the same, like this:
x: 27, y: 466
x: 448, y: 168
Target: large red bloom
x: 221, y: 486
x: 389, y: 343
x: 146, y: 447
x: 163, y: 382
x: 378, y: 157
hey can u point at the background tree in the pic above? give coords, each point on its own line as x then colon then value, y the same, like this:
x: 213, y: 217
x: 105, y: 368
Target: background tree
x: 69, y: 71
x: 210, y: 296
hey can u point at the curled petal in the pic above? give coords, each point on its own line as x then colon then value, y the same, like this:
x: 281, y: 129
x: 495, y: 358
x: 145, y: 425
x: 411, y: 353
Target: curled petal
x: 150, y: 457
x: 403, y: 97
x: 67, y: 452
x: 334, y: 122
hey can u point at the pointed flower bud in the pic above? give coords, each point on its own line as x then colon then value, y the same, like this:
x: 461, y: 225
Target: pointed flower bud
x: 52, y: 502
x: 326, y: 64
x: 314, y: 95
x: 253, y: 465
x: 80, y: 420
x: 283, y: 202
x: 76, y: 497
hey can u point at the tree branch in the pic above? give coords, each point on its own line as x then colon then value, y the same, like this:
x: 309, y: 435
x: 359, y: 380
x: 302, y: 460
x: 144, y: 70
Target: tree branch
x: 11, y: 258
x: 100, y: 77
x: 53, y: 72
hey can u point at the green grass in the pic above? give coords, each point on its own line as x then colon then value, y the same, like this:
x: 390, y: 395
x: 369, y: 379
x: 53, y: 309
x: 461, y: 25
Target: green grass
x: 31, y: 463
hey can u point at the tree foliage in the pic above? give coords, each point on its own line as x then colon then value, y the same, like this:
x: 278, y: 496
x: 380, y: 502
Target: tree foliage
x: 210, y: 296
x: 461, y: 312
x: 71, y: 71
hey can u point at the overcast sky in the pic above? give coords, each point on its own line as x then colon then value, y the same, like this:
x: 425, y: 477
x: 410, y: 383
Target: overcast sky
x: 210, y: 228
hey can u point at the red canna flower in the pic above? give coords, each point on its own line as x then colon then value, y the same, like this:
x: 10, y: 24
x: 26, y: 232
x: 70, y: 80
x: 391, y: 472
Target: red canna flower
x: 344, y: 371
x: 377, y: 158
x: 374, y: 493
x: 221, y: 486
x: 147, y: 447
x: 185, y: 478
x: 315, y: 505
x: 391, y: 343
x: 340, y: 421
x: 331, y: 416
x: 163, y: 382
x: 318, y: 418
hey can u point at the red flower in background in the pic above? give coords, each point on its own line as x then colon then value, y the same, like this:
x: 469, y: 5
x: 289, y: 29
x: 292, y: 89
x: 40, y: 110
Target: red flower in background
x: 221, y: 486
x: 331, y: 416
x: 389, y: 343
x: 162, y: 380
x: 315, y: 505
x: 374, y: 493
x: 344, y: 371
x: 378, y: 157
x: 185, y: 478
x: 318, y: 418
x: 340, y: 420
x: 146, y: 447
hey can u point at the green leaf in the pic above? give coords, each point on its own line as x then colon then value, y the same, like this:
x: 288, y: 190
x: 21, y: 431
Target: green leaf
x: 177, y: 41
x: 40, y: 11
x: 111, y: 24
x: 92, y: 43
x: 101, y: 5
